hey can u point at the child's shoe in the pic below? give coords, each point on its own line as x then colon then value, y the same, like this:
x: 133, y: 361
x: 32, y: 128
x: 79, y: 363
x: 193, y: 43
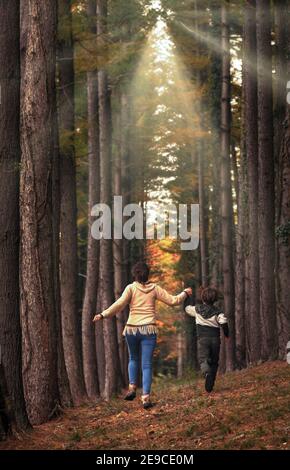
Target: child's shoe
x: 209, y: 382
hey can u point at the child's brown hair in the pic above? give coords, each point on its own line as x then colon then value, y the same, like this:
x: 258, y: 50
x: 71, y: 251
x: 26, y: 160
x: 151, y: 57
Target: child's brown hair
x: 208, y: 295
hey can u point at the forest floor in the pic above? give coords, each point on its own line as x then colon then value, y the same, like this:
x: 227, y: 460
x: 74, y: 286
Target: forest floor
x: 249, y: 409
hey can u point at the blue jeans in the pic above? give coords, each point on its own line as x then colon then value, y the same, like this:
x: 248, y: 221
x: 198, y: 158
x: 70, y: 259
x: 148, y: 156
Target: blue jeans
x: 146, y: 345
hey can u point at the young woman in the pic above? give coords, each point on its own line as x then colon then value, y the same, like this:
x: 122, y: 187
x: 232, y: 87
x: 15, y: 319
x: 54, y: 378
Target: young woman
x: 141, y: 329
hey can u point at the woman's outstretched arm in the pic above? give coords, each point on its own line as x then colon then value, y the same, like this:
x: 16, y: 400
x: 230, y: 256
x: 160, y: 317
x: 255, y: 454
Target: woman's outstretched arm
x: 168, y: 299
x: 117, y: 306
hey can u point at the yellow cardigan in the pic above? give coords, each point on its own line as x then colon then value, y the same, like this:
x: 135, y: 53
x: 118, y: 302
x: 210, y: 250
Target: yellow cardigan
x: 141, y: 299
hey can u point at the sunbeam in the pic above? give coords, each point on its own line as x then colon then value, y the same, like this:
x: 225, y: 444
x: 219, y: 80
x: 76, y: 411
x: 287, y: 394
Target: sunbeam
x: 163, y: 92
x: 210, y: 42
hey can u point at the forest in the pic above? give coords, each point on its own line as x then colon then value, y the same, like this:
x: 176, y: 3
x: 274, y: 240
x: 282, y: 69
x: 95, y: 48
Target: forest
x: 176, y: 102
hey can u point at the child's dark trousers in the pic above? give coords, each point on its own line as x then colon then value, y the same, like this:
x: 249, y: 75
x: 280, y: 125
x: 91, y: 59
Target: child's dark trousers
x: 208, y: 354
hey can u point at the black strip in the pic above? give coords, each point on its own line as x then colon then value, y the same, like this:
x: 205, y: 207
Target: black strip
x: 112, y: 459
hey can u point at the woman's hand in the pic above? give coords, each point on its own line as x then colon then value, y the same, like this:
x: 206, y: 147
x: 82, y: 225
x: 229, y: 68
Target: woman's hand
x: 188, y: 290
x: 98, y: 317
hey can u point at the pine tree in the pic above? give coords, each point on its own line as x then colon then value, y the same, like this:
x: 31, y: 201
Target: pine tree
x: 251, y: 136
x: 93, y: 346
x: 10, y: 331
x: 266, y: 214
x: 38, y: 147
x: 68, y: 216
x: 282, y: 140
x: 106, y: 289
x: 226, y: 189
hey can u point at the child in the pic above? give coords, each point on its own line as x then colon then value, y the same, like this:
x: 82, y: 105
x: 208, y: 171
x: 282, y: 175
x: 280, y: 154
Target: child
x: 208, y: 318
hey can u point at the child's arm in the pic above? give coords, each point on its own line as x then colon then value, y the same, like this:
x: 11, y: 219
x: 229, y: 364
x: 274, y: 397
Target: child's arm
x: 223, y: 322
x: 119, y: 305
x: 188, y: 307
x: 190, y: 310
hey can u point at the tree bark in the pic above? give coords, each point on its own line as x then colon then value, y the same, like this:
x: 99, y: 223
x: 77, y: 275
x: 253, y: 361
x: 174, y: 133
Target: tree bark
x: 126, y: 186
x: 226, y: 190
x: 119, y: 285
x: 266, y: 182
x: 127, y: 173
x: 215, y: 227
x: 282, y: 23
x: 214, y: 195
x: 8, y: 423
x: 283, y: 233
x: 282, y: 160
x: 240, y: 268
x: 68, y: 215
x: 93, y: 345
x: 201, y: 188
x: 10, y: 330
x: 251, y: 136
x: 106, y: 265
x: 63, y: 382
x: 282, y: 142
x: 38, y: 145
x: 202, y: 217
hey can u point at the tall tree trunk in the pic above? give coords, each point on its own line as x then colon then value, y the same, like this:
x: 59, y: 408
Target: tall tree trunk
x: 63, y: 382
x: 235, y: 170
x: 202, y: 217
x: 240, y: 184
x: 266, y: 182
x: 251, y: 136
x: 38, y: 116
x: 200, y: 157
x: 93, y: 346
x: 282, y: 144
x: 214, y: 195
x: 68, y: 215
x: 240, y: 266
x: 126, y: 187
x: 282, y: 23
x: 10, y: 331
x: 127, y: 173
x: 118, y: 243
x: 226, y: 189
x: 283, y: 232
x: 215, y: 222
x: 106, y: 265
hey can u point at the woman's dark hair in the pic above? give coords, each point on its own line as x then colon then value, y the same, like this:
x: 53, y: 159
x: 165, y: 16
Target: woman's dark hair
x: 209, y: 295
x: 140, y: 272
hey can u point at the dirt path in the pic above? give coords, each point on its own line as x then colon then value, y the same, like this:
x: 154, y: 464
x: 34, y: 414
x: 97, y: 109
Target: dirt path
x: 248, y: 410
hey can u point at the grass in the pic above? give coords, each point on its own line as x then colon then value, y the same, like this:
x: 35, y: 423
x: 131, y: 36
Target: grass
x: 249, y: 409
